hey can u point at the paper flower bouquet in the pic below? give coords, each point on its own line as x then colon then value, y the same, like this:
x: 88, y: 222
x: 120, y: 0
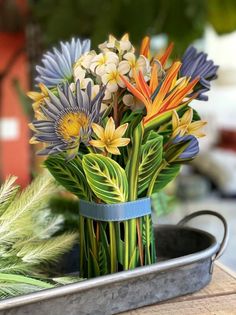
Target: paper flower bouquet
x: 116, y: 126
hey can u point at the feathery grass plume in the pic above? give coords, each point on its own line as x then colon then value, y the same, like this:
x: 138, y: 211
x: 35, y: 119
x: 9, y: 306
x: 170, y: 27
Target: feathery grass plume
x: 17, y: 220
x: 7, y: 192
x: 46, y: 250
x: 27, y: 243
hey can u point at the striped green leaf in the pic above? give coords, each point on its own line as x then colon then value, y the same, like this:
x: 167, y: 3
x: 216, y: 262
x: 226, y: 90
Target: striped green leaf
x: 166, y: 175
x: 151, y: 157
x: 69, y: 174
x: 106, y: 178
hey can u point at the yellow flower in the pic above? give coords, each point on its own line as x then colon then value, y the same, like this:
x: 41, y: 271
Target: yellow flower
x: 38, y: 98
x: 184, y: 125
x: 112, y: 78
x: 101, y: 61
x: 110, y: 138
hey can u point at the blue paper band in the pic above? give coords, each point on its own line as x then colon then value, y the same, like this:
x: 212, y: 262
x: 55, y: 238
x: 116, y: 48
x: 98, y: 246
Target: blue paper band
x: 115, y: 212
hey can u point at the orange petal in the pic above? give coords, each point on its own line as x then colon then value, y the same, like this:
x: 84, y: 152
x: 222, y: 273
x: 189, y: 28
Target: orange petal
x: 136, y: 92
x: 180, y: 95
x: 171, y: 75
x: 166, y: 54
x: 154, y: 77
x: 145, y: 47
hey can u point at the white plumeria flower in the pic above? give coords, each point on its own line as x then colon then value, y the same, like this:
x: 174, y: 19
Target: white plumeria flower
x: 83, y: 84
x: 132, y: 102
x: 132, y: 63
x: 99, y: 62
x: 124, y: 45
x: 112, y: 78
x: 85, y: 60
x: 79, y: 73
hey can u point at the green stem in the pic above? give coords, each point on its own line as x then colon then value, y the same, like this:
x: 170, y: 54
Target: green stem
x: 81, y: 247
x: 113, y: 247
x: 154, y: 177
x: 115, y: 109
x: 133, y: 185
x: 92, y: 237
x: 134, y: 162
x: 126, y: 247
x: 26, y: 280
x: 147, y: 223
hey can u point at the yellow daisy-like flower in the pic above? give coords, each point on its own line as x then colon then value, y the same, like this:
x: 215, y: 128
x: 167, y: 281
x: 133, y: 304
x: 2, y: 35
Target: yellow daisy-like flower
x: 110, y: 138
x: 38, y: 98
x: 184, y: 125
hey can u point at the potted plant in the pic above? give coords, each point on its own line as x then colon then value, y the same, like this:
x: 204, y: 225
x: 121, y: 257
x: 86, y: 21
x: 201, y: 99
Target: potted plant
x: 116, y: 127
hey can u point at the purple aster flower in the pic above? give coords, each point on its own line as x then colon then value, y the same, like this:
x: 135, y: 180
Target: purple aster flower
x: 191, y: 150
x: 68, y: 119
x: 57, y: 65
x: 195, y: 64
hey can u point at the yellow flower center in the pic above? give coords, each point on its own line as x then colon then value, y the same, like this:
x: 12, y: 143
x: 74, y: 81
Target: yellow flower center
x: 114, y: 76
x: 102, y: 60
x: 71, y: 123
x: 108, y: 141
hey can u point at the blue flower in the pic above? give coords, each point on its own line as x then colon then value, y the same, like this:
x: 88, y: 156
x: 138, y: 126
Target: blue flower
x: 68, y: 119
x: 191, y: 150
x: 194, y: 65
x: 57, y: 65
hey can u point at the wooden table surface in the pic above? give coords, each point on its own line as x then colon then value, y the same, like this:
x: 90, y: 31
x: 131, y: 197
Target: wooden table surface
x: 218, y: 298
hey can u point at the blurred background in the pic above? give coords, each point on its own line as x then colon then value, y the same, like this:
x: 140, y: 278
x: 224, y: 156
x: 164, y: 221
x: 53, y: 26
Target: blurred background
x: 28, y: 28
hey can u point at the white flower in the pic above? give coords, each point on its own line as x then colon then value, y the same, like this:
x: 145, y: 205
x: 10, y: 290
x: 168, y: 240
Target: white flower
x: 112, y: 78
x: 85, y: 60
x: 131, y: 63
x: 132, y: 102
x: 79, y: 73
x: 96, y: 89
x: 99, y: 62
x: 123, y: 45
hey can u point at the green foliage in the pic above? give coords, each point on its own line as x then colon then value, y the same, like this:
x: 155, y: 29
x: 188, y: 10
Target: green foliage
x: 69, y: 209
x: 162, y: 203
x: 61, y: 19
x: 102, y: 260
x: 166, y: 175
x: 27, y: 244
x: 69, y: 174
x: 106, y: 178
x: 134, y: 160
x: 222, y: 15
x: 151, y: 157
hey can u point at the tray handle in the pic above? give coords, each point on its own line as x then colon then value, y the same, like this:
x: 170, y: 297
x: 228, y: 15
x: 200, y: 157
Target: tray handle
x: 225, y: 239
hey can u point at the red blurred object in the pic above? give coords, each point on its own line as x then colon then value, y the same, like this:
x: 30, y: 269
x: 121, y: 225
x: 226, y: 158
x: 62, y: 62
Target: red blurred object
x: 227, y: 139
x: 14, y: 150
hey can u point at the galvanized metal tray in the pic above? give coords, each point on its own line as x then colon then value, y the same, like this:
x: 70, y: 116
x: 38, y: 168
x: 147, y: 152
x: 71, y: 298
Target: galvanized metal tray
x: 185, y: 260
